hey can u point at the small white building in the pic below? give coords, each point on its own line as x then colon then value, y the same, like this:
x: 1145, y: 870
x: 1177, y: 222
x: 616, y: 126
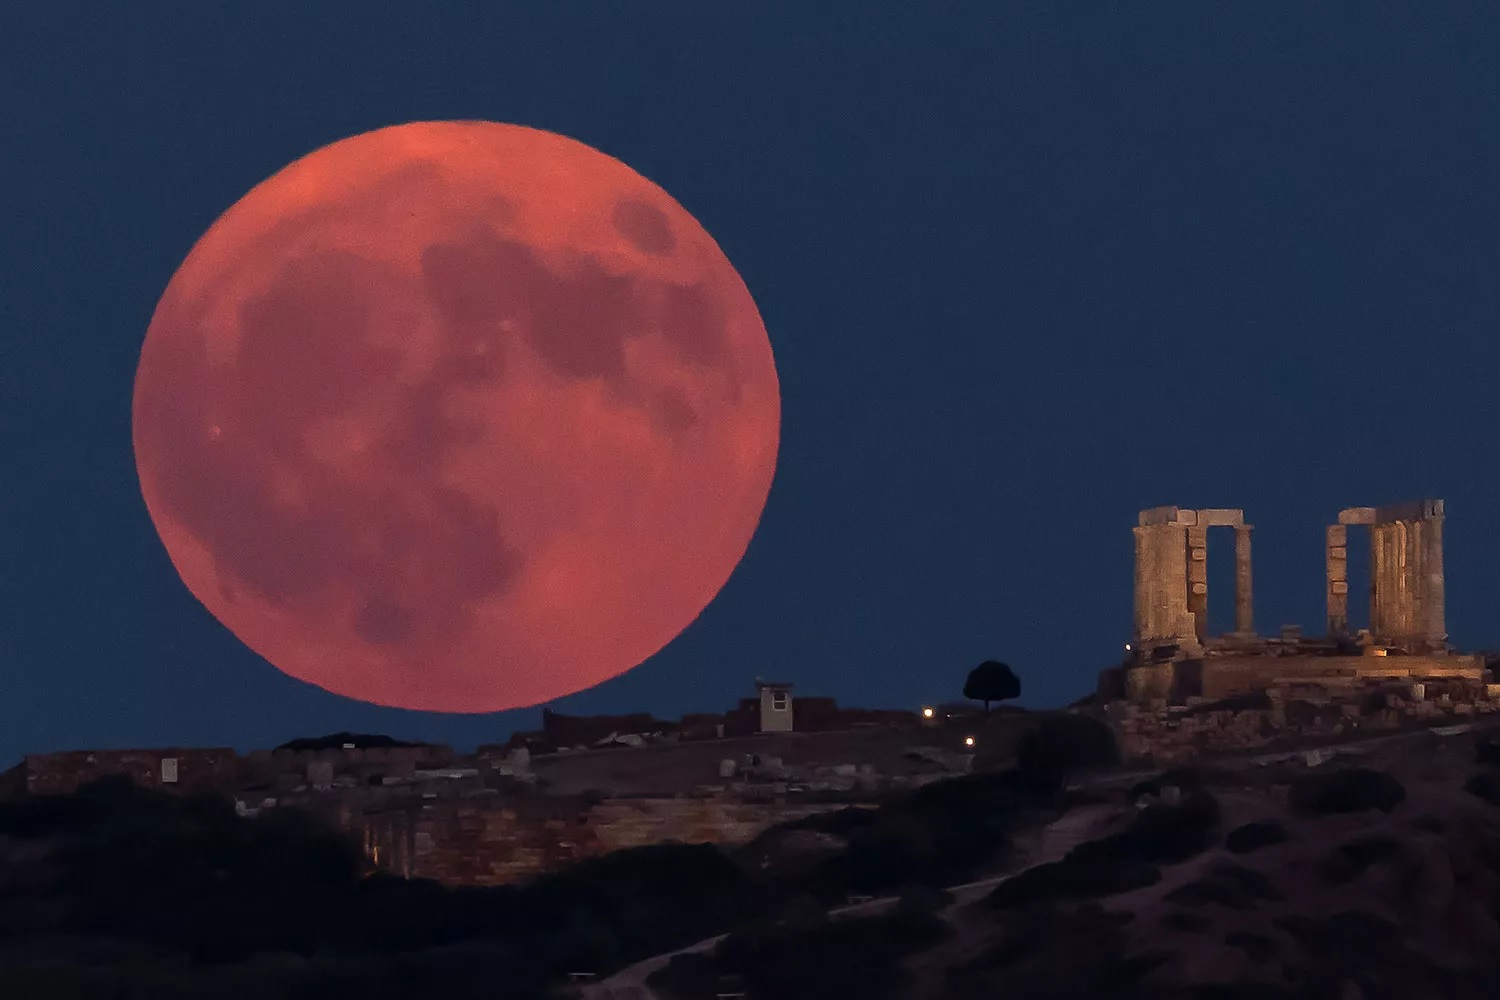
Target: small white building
x: 775, y: 706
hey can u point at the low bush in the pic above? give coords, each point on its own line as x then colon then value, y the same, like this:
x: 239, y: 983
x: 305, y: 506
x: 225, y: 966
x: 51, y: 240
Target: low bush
x: 1485, y: 786
x: 1349, y: 861
x: 1186, y: 920
x: 1167, y: 834
x: 1487, y: 752
x: 845, y: 957
x: 1087, y: 872
x: 1229, y: 885
x: 1257, y: 947
x: 1254, y: 836
x: 1351, y: 790
x: 1060, y: 745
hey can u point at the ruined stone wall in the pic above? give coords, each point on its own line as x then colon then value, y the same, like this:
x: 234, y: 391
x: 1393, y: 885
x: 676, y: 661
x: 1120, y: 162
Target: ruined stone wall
x: 1228, y: 676
x: 1151, y: 682
x: 195, y: 769
x: 810, y: 715
x: 1225, y: 677
x: 471, y: 842
x: 1292, y: 715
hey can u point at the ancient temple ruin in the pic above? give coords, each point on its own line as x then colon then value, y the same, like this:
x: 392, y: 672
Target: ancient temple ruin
x: 1406, y: 575
x: 1173, y: 656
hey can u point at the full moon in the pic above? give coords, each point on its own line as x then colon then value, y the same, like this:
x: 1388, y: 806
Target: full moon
x: 456, y: 416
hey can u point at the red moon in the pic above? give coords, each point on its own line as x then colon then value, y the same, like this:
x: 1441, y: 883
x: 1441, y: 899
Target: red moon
x: 456, y: 416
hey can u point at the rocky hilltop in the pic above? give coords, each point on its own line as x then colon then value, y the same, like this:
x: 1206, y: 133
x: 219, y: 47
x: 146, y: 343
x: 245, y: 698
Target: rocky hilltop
x: 1355, y: 873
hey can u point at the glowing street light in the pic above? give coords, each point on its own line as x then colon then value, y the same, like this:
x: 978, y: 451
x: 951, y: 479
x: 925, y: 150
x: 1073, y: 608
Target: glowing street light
x: 927, y: 713
x: 968, y: 741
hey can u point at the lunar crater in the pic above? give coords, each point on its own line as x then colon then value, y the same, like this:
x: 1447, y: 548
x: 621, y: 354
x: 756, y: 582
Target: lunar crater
x: 645, y: 227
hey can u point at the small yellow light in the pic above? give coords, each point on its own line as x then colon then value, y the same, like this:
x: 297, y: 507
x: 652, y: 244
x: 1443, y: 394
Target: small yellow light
x: 1127, y: 647
x: 968, y: 741
x: 926, y: 713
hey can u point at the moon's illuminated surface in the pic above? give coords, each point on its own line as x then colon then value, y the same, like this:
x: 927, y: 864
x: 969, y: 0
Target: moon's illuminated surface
x: 456, y: 416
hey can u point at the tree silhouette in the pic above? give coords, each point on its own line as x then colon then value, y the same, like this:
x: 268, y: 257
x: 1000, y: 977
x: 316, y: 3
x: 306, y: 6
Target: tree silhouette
x: 992, y: 681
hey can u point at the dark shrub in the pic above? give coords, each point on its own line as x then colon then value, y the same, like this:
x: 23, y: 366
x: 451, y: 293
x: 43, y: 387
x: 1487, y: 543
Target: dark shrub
x: 653, y: 898
x: 839, y: 823
x: 1349, y: 861
x: 1167, y: 834
x: 1183, y: 920
x: 1087, y: 872
x: 1254, y: 836
x: 894, y: 850
x: 1355, y: 789
x: 846, y: 957
x: 1486, y: 786
x: 1353, y: 933
x: 924, y: 899
x: 1257, y: 947
x: 690, y: 975
x: 1059, y: 745
x: 1431, y: 824
x: 1226, y: 884
x: 1487, y: 752
x: 1055, y: 952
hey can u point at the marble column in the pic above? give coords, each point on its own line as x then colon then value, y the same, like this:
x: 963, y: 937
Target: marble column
x: 1161, y: 588
x: 1197, y: 580
x: 1380, y: 580
x: 1244, y: 599
x: 1435, y: 623
x: 1407, y: 534
x: 1337, y: 556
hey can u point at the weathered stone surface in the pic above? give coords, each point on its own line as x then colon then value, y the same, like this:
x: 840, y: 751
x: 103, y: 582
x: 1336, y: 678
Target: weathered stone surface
x: 465, y: 842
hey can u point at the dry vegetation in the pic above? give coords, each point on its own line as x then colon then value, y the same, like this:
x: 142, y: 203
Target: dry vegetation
x: 120, y: 892
x: 1377, y: 877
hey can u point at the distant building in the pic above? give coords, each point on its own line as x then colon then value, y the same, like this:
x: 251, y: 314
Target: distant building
x: 775, y: 706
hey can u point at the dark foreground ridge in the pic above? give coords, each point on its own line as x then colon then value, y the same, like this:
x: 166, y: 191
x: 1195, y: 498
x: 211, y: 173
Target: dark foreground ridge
x: 119, y: 891
x: 1378, y: 881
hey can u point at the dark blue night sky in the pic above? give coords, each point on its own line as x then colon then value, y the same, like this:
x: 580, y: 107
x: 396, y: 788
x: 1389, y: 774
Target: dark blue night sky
x: 1024, y: 274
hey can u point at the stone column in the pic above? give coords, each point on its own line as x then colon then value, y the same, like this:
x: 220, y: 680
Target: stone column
x: 1406, y: 580
x: 1337, y: 554
x: 1197, y: 579
x: 1161, y: 590
x: 1143, y: 558
x: 1244, y: 600
x: 1380, y: 574
x: 1435, y: 622
x: 1407, y: 535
